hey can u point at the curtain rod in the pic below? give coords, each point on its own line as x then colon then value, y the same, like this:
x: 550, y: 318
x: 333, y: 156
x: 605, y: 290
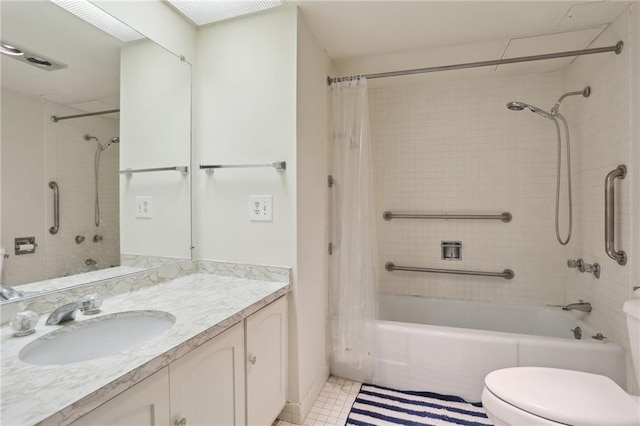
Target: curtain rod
x: 55, y: 118
x: 617, y: 49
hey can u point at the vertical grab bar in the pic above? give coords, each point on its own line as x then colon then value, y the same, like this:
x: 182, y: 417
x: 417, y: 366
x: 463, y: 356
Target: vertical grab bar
x: 609, y: 215
x: 56, y: 208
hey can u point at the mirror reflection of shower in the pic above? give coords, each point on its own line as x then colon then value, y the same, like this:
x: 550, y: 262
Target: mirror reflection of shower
x: 99, y: 148
x: 554, y: 116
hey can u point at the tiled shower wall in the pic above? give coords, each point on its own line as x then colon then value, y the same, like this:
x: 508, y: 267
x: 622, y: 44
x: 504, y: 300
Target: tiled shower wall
x: 601, y: 128
x: 70, y: 162
x: 453, y: 148
x: 35, y: 151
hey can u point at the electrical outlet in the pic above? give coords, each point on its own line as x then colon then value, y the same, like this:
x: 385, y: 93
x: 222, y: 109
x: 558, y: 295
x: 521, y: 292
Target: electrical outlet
x: 261, y: 208
x: 143, y: 207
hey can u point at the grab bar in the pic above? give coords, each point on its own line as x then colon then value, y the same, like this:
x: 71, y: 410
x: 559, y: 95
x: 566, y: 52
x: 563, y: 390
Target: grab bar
x: 129, y: 172
x: 56, y: 208
x: 505, y: 217
x: 609, y: 215
x: 507, y: 274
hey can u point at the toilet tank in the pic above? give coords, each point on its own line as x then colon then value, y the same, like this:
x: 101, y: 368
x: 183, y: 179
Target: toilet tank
x: 631, y: 309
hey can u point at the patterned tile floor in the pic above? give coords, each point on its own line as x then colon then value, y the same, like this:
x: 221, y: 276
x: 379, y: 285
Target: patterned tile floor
x: 333, y: 404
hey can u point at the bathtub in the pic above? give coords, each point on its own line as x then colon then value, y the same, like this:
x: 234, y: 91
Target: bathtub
x: 449, y: 346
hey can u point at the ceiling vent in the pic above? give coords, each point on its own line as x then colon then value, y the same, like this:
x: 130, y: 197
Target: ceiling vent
x: 207, y: 12
x: 28, y: 57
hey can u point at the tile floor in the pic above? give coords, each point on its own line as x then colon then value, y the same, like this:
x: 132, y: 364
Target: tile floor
x: 333, y: 404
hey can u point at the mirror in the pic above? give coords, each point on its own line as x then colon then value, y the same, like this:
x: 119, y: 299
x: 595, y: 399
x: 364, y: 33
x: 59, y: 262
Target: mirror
x: 109, y: 222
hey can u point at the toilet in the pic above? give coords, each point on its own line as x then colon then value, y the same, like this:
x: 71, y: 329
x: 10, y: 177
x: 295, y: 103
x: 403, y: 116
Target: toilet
x: 552, y: 396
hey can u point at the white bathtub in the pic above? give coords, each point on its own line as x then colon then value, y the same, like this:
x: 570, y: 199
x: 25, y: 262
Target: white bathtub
x: 449, y: 346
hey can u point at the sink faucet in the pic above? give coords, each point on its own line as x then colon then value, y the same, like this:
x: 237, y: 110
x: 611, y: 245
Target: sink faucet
x: 580, y: 306
x: 9, y: 293
x: 67, y: 312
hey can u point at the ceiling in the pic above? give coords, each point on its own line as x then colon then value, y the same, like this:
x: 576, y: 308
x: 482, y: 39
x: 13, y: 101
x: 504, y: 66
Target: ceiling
x: 354, y: 34
x: 363, y: 28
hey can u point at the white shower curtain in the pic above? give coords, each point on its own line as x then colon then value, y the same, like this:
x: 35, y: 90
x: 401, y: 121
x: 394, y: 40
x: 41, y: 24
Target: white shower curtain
x: 353, y: 287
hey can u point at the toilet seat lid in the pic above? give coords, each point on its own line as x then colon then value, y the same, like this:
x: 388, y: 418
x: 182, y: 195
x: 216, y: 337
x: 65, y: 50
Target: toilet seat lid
x: 564, y: 396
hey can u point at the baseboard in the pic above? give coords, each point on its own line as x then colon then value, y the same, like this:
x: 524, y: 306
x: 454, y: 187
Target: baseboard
x: 296, y: 412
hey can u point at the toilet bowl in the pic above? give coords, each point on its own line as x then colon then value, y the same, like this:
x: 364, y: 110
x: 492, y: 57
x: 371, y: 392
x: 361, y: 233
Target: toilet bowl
x: 551, y: 396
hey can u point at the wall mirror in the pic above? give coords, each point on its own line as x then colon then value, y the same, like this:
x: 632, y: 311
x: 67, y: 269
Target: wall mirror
x: 93, y: 197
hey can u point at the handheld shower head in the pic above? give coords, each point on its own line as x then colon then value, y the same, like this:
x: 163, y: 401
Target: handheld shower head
x: 516, y: 106
x: 519, y: 106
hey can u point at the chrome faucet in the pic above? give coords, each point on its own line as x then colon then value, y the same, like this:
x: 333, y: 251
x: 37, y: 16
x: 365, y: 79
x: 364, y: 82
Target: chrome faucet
x: 580, y: 306
x: 9, y: 293
x: 67, y: 312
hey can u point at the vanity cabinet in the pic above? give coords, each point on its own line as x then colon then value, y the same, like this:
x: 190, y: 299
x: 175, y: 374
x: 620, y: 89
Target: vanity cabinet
x: 207, y: 385
x: 145, y: 404
x: 266, y: 349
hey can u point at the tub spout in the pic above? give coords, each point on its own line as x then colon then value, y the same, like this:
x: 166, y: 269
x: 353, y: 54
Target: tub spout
x: 580, y: 306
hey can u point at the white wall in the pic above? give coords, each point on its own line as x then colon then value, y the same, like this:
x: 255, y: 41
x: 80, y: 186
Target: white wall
x: 602, y: 137
x: 310, y: 313
x: 36, y: 151
x: 245, y: 113
x: 259, y: 97
x: 155, y: 100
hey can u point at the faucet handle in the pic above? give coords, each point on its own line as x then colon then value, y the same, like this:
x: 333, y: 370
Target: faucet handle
x: 578, y: 264
x: 90, y: 304
x: 24, y: 323
x: 593, y: 269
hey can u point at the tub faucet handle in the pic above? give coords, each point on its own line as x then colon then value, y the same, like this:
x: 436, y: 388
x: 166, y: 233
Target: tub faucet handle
x: 578, y: 264
x: 593, y: 269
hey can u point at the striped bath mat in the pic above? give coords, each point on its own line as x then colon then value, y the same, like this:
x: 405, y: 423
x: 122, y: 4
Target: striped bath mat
x: 377, y: 406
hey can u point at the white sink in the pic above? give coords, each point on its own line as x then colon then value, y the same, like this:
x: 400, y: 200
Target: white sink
x: 97, y: 337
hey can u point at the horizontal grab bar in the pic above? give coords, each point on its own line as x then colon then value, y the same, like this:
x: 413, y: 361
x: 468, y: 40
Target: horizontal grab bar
x: 505, y: 217
x: 278, y: 165
x: 507, y: 274
x: 181, y: 169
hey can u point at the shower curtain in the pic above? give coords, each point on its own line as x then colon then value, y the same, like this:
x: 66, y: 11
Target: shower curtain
x: 353, y: 286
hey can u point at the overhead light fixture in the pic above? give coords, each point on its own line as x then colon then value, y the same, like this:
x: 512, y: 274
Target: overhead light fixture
x: 19, y: 53
x: 9, y: 49
x: 97, y: 17
x: 207, y: 12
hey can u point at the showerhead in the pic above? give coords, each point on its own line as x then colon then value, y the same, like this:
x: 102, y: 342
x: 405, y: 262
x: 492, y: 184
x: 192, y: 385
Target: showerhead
x: 516, y: 106
x: 519, y: 106
x: 115, y: 139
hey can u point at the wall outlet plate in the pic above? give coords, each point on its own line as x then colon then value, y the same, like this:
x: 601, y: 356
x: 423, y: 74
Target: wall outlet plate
x: 144, y: 207
x: 261, y: 208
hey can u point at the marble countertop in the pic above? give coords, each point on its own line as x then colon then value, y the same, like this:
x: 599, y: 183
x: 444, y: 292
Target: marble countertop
x: 204, y: 305
x: 77, y: 279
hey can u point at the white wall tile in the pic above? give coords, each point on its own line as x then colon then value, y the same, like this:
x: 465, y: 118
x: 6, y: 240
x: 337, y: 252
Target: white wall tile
x: 456, y: 148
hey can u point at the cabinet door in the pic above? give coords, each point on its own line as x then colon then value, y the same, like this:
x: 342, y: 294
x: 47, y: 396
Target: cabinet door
x: 207, y: 384
x: 146, y: 403
x: 266, y: 346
